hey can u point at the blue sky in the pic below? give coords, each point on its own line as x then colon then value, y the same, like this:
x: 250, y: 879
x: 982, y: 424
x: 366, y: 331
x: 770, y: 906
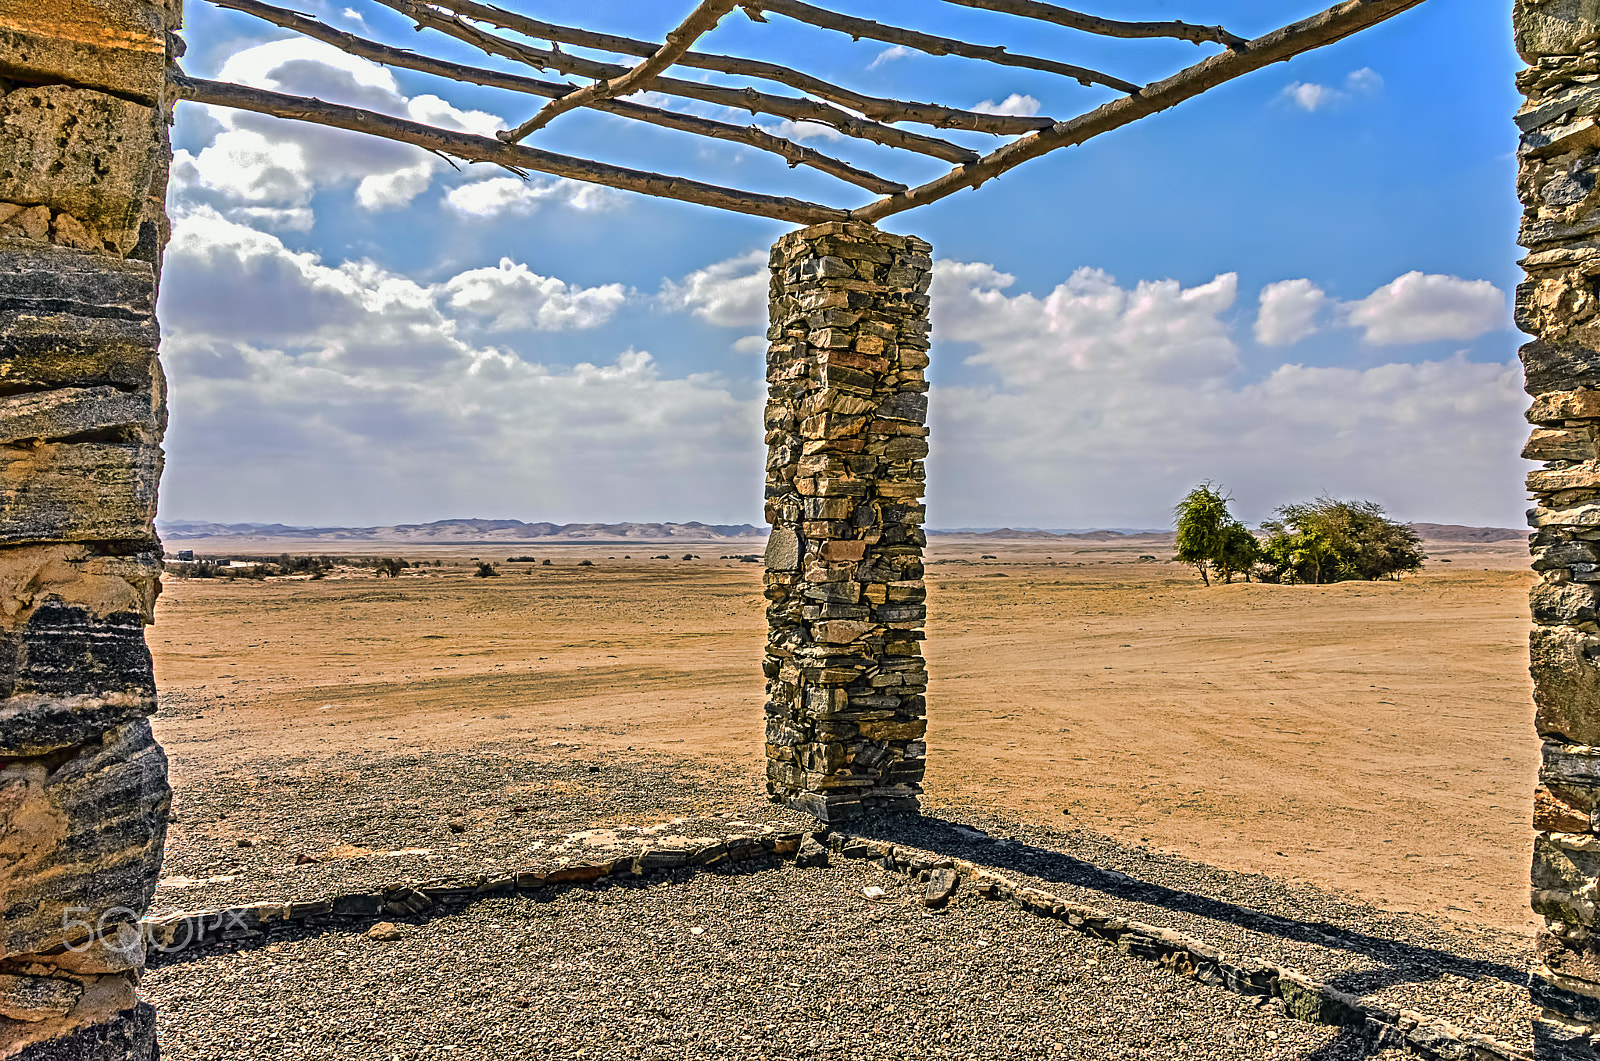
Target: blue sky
x: 1295, y: 284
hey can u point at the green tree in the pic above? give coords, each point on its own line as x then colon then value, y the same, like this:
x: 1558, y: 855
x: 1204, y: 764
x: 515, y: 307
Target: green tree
x: 1328, y: 540
x: 1209, y: 538
x: 1239, y: 554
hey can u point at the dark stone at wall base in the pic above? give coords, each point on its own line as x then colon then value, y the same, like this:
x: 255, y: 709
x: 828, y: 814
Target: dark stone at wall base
x: 1552, y: 1042
x: 129, y: 1036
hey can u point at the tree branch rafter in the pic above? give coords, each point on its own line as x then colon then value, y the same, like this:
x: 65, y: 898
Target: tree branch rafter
x: 865, y: 118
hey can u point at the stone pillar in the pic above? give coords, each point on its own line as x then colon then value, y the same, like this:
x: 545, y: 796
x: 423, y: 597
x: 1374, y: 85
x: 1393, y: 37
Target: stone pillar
x: 83, y: 784
x: 845, y: 413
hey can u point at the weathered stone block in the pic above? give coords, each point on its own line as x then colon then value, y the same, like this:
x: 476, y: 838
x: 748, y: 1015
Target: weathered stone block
x: 37, y: 998
x: 783, y: 550
x: 1555, y: 27
x: 89, y: 154
x: 68, y: 675
x: 1562, y: 444
x: 1564, y: 603
x: 72, y: 412
x: 71, y: 319
x: 1564, y: 405
x: 1566, y: 684
x: 125, y: 1035
x: 1549, y: 366
x: 1563, y: 808
x: 118, y: 45
x: 84, y: 832
x: 1574, y: 953
x: 86, y: 491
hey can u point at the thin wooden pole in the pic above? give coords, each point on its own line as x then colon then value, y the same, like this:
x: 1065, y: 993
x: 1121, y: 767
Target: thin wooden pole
x: 752, y: 136
x: 1105, y: 27
x: 927, y: 42
x: 874, y: 107
x: 1332, y: 25
x: 702, y: 20
x: 745, y: 99
x: 514, y: 157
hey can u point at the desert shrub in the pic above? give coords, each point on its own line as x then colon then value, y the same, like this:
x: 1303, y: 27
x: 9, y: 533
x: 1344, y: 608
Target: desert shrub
x: 1209, y: 538
x: 485, y: 570
x: 522, y: 559
x: 585, y: 563
x: 1328, y: 540
x: 392, y: 566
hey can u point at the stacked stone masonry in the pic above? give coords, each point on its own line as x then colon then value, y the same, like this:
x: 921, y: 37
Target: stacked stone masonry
x: 845, y: 420
x: 83, y: 784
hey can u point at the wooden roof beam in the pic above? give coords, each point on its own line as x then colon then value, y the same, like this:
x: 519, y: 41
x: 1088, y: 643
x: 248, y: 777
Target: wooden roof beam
x: 744, y: 99
x: 926, y: 42
x: 514, y: 157
x: 1334, y: 24
x: 1105, y: 27
x: 752, y: 136
x: 702, y: 20
x: 874, y: 107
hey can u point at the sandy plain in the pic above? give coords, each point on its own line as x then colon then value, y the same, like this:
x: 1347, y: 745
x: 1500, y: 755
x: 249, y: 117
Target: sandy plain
x: 1373, y: 738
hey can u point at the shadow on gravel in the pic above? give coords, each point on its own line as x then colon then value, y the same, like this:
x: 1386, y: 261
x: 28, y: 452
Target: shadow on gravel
x: 284, y: 931
x: 1402, y: 962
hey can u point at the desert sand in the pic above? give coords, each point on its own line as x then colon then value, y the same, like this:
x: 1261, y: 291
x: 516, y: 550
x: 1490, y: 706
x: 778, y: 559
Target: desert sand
x: 1368, y: 737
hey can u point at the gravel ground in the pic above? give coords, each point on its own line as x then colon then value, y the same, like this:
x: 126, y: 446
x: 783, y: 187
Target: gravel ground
x: 1474, y: 978
x: 768, y: 962
x: 496, y: 808
x: 416, y: 818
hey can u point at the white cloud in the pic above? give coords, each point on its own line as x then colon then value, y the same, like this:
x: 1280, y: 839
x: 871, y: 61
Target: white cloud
x: 1106, y: 403
x: 511, y: 195
x: 1310, y: 96
x: 263, y: 162
x: 1364, y: 80
x: 1420, y: 308
x: 731, y: 293
x: 317, y: 392
x: 791, y: 130
x: 889, y: 55
x: 1014, y: 104
x: 1289, y: 311
x: 514, y: 297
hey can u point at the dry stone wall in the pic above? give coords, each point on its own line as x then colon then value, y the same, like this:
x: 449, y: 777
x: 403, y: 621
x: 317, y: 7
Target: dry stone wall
x: 845, y: 427
x: 83, y: 784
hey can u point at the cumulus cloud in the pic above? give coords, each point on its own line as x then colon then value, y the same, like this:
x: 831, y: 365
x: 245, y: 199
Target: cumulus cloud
x: 1014, y: 104
x: 257, y: 162
x: 731, y: 293
x: 1311, y: 96
x: 510, y: 195
x: 1420, y: 308
x: 512, y: 296
x: 1105, y: 403
x: 1289, y: 311
x: 313, y: 392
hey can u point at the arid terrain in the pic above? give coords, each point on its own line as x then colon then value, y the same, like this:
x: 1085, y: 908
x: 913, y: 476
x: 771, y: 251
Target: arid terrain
x: 1372, y: 737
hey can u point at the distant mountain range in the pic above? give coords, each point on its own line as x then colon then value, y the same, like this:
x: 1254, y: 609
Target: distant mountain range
x: 497, y: 531
x: 466, y: 531
x: 1433, y: 532
x: 1454, y: 532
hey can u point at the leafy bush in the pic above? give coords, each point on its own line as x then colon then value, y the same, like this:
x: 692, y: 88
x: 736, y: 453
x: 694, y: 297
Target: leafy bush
x: 1210, y: 539
x: 1328, y: 540
x: 486, y: 570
